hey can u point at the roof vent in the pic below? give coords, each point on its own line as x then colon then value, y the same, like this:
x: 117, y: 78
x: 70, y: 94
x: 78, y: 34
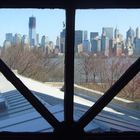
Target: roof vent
x: 3, y: 104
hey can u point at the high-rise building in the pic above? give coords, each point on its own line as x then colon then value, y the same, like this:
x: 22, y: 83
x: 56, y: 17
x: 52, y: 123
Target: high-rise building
x: 17, y: 40
x: 130, y: 35
x: 44, y: 41
x: 9, y: 37
x: 116, y: 33
x: 57, y: 42
x: 108, y: 31
x: 137, y: 47
x: 62, y: 41
x: 85, y: 35
x: 93, y: 35
x: 105, y: 45
x: 95, y: 45
x: 37, y: 39
x: 80, y: 48
x: 32, y: 31
x: 94, y: 41
x: 78, y: 39
x: 6, y: 44
x: 137, y: 32
x: 25, y: 42
x: 86, y: 46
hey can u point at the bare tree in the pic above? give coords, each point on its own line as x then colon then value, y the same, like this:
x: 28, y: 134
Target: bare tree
x: 33, y: 63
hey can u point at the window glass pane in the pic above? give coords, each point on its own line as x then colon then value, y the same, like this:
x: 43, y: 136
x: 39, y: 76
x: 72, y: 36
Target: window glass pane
x: 32, y: 45
x: 107, y: 42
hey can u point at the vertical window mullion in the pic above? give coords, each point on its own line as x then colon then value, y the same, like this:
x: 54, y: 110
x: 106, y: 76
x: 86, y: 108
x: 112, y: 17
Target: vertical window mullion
x: 69, y: 66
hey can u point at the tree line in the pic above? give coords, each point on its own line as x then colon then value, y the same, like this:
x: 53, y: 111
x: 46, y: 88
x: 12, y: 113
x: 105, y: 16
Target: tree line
x: 33, y: 63
x: 100, y: 73
x: 96, y: 72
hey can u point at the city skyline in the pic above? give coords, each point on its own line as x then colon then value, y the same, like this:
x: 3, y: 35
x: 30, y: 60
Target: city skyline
x: 103, y: 18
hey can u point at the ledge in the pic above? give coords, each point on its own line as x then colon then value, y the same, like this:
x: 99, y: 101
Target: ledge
x: 116, y: 100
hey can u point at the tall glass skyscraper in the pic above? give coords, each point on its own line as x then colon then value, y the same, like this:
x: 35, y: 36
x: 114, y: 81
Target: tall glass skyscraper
x: 108, y: 31
x: 78, y: 39
x: 32, y: 31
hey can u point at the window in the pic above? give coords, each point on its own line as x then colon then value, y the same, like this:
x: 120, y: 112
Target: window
x: 102, y: 55
x: 69, y: 128
x: 34, y: 51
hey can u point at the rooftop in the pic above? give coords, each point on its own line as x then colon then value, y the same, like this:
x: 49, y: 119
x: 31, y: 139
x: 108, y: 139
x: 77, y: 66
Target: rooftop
x: 20, y: 116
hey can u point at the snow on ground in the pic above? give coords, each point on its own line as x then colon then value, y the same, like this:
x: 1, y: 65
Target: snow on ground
x: 5, y: 86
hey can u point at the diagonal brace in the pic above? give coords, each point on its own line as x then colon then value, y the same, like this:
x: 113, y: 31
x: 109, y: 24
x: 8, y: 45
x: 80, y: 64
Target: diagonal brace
x: 109, y: 94
x: 45, y: 113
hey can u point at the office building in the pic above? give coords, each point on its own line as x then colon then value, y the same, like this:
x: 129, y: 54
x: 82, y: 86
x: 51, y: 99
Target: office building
x: 9, y: 37
x: 85, y: 35
x: 62, y: 41
x: 7, y: 44
x: 37, y: 39
x: 57, y: 42
x: 130, y: 36
x: 78, y: 39
x: 116, y: 33
x: 95, y: 45
x: 86, y: 46
x: 80, y: 48
x: 25, y: 42
x: 93, y: 35
x: 108, y: 32
x: 50, y: 47
x: 104, y: 45
x: 32, y: 31
x: 137, y: 32
x: 44, y: 41
x: 137, y: 47
x: 17, y: 40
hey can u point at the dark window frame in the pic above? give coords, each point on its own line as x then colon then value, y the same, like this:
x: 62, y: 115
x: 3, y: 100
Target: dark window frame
x: 69, y: 128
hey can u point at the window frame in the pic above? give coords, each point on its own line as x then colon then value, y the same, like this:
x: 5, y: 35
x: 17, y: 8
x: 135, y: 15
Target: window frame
x: 62, y: 129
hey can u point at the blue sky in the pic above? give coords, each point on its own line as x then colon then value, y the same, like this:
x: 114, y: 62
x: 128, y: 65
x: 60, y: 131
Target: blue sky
x: 49, y: 22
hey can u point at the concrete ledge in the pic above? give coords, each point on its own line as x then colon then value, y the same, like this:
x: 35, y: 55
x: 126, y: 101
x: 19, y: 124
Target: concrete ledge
x: 117, y: 100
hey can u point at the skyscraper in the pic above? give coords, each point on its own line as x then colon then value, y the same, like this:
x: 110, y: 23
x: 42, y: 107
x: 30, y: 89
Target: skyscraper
x: 85, y: 35
x: 9, y: 37
x: 108, y: 31
x: 86, y: 46
x: 116, y: 33
x: 104, y: 45
x: 93, y: 35
x: 57, y: 42
x: 62, y: 41
x: 137, y: 43
x: 130, y: 35
x: 94, y: 41
x: 78, y: 39
x: 95, y: 45
x: 137, y: 32
x: 32, y: 31
x: 25, y: 42
x: 37, y: 39
x: 17, y: 40
x: 44, y: 41
x: 130, y: 41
